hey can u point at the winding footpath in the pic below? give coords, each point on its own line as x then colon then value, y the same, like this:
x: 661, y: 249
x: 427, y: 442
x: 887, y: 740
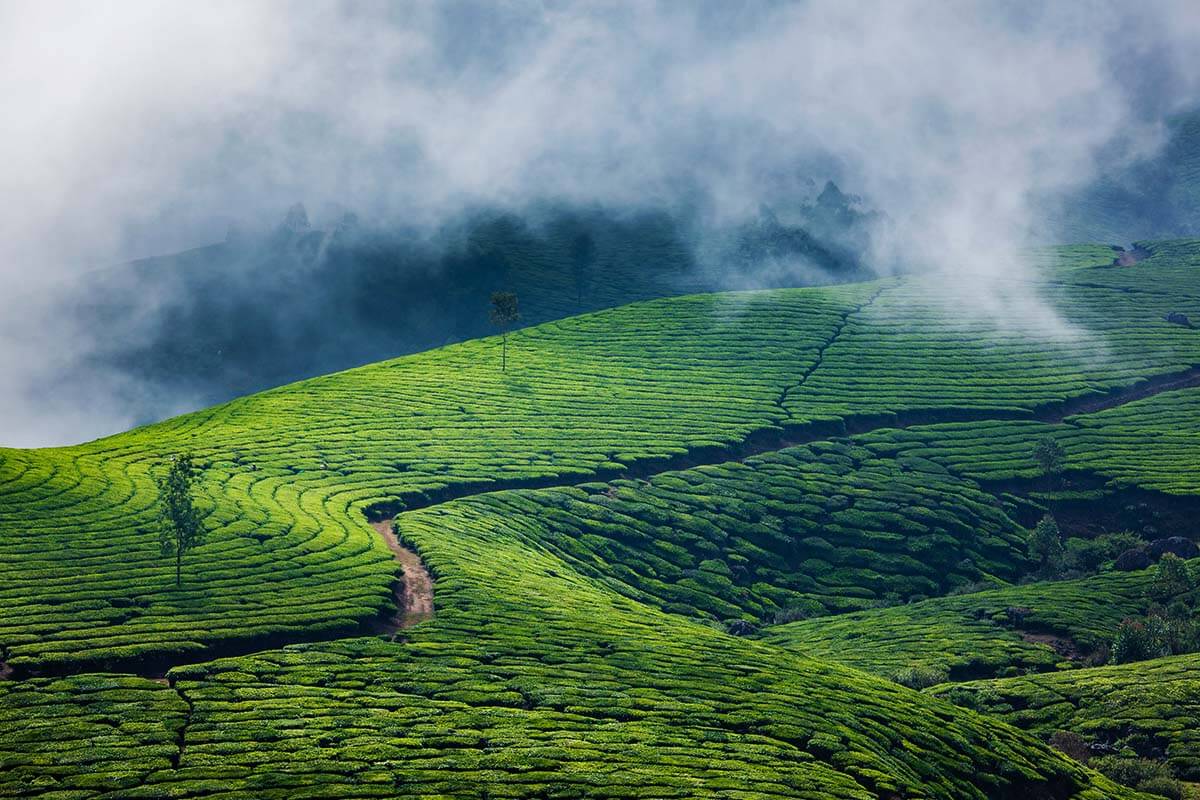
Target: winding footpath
x: 413, y: 593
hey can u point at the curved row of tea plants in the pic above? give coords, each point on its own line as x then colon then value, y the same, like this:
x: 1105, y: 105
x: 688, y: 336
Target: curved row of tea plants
x: 535, y: 680
x: 585, y: 396
x: 1149, y: 443
x: 1147, y: 708
x: 990, y: 633
x: 818, y: 529
x: 918, y: 347
x: 285, y: 472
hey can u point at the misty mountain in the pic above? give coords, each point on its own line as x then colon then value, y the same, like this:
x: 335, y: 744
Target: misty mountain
x: 264, y: 309
x: 1153, y: 197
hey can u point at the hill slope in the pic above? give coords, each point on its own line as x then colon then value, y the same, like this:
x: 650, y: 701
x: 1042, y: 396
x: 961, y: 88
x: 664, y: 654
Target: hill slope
x: 565, y: 657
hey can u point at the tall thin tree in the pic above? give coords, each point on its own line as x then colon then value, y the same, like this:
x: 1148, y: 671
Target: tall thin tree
x: 503, y: 315
x: 180, y: 526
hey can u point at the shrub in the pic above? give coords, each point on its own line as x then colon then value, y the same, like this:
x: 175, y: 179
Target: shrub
x: 1171, y: 578
x: 1141, y: 774
x: 1049, y: 456
x: 919, y: 676
x: 1088, y: 555
x: 1045, y: 545
x: 1137, y: 640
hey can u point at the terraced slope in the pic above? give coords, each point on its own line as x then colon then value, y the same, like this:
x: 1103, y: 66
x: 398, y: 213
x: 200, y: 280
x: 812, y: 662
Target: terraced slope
x: 984, y: 634
x: 534, y: 681
x: 1150, y: 707
x: 550, y: 667
x: 818, y: 529
x: 911, y: 351
x: 1150, y: 443
x: 286, y: 470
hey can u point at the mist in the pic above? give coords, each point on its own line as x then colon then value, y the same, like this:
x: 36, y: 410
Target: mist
x: 147, y: 128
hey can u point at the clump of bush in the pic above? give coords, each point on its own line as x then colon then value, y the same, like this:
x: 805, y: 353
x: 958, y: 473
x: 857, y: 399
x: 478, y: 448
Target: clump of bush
x: 921, y: 676
x: 1088, y: 556
x: 1170, y: 627
x: 1142, y: 774
x: 1046, y: 547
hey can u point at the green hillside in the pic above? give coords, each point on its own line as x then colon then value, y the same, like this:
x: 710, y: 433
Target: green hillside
x: 598, y: 520
x: 1149, y: 708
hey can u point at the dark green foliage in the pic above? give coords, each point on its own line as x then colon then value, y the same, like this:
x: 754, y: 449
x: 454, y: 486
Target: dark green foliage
x: 1148, y: 709
x: 1086, y: 556
x: 583, y: 258
x: 818, y: 529
x: 1171, y: 578
x: 1049, y: 455
x: 1141, y: 774
x: 1138, y: 640
x: 181, y: 527
x: 1046, y: 547
x: 504, y: 314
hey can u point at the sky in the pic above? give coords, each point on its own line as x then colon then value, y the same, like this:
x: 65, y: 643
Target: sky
x: 143, y: 128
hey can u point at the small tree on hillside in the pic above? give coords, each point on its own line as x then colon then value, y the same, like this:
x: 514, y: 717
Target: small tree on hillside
x: 180, y: 525
x: 1045, y: 545
x: 1049, y: 456
x: 503, y: 315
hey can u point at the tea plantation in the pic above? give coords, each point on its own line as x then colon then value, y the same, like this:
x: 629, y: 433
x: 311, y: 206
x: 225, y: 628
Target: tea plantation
x: 980, y: 634
x: 1149, y: 708
x: 641, y: 484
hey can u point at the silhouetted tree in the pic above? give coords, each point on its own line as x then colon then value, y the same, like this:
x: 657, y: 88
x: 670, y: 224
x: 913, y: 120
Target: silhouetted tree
x: 583, y: 256
x: 503, y: 315
x: 180, y: 525
x: 1049, y: 455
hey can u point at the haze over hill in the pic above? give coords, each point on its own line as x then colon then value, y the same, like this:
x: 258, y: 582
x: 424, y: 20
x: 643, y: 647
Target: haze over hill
x: 600, y: 400
x: 143, y: 130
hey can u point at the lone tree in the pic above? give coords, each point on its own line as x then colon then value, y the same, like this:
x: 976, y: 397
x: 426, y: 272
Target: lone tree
x: 1045, y: 545
x: 1049, y: 455
x: 503, y: 315
x: 180, y: 527
x: 583, y: 255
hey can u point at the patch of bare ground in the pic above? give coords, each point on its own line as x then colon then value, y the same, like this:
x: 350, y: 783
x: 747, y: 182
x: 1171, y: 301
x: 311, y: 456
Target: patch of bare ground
x: 414, y: 593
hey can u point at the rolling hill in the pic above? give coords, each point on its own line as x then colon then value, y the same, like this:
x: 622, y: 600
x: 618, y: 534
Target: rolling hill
x: 678, y: 549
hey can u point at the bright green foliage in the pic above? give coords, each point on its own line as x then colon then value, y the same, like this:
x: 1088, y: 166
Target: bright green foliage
x: 1149, y: 443
x: 823, y: 528
x: 286, y: 472
x: 181, y: 525
x: 980, y: 634
x: 86, y: 735
x: 1150, y: 707
x: 551, y: 667
x: 535, y: 680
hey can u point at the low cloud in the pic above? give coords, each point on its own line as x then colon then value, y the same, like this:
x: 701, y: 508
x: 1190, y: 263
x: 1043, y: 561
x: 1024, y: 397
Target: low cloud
x: 148, y: 127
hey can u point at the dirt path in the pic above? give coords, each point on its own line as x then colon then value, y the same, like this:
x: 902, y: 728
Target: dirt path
x: 1127, y: 258
x: 414, y: 594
